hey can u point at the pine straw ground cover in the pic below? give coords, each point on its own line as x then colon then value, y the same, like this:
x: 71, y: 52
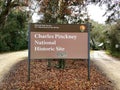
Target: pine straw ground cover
x: 73, y: 77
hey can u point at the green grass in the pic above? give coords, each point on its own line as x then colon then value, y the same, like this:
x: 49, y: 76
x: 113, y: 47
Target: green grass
x: 114, y: 54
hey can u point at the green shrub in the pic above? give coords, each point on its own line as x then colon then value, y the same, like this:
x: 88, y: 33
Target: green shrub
x: 14, y: 34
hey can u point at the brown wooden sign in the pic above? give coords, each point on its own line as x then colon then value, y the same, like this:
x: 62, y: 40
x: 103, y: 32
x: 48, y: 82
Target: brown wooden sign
x: 58, y: 41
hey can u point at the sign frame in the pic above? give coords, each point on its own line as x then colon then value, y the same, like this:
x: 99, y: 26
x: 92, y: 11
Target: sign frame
x: 29, y: 45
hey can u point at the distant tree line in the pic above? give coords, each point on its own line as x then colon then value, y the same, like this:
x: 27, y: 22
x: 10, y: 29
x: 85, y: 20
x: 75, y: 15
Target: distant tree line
x: 14, y: 34
x: 106, y: 37
x: 13, y: 25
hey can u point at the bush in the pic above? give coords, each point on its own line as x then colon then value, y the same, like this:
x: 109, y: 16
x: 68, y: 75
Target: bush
x: 14, y: 34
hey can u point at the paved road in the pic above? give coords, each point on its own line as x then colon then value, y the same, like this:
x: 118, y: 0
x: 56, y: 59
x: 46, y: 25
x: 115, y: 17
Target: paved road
x: 109, y: 65
x: 8, y: 60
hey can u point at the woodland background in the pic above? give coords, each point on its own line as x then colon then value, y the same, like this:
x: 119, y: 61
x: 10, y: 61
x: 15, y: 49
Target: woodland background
x: 15, y: 16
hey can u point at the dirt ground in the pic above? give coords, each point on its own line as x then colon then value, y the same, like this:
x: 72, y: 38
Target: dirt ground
x: 13, y: 73
x: 8, y: 60
x: 110, y: 66
x: 72, y: 77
